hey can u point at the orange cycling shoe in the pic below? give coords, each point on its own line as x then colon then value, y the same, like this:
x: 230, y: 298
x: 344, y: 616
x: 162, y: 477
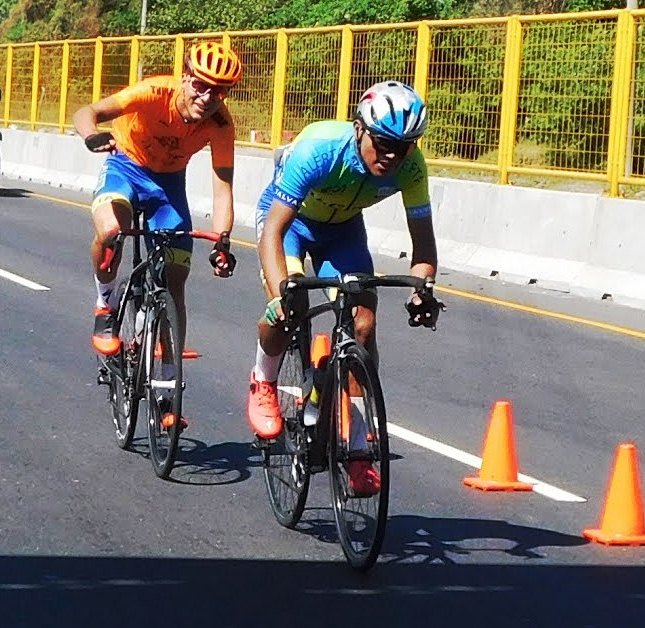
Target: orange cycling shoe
x: 105, y: 339
x: 263, y: 409
x: 364, y: 479
x: 167, y: 417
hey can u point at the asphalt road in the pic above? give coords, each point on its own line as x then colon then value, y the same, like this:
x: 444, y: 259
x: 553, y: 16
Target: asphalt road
x: 89, y: 535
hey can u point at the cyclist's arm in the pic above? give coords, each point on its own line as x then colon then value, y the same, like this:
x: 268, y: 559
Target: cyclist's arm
x: 222, y: 199
x: 416, y: 200
x: 88, y: 117
x: 424, y: 247
x: 271, y: 249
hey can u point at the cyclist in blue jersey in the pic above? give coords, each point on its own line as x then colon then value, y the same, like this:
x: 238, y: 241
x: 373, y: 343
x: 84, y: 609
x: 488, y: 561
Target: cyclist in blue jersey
x: 321, y: 184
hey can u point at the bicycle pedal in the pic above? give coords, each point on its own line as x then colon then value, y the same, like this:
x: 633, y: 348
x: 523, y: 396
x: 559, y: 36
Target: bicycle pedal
x: 260, y: 443
x: 103, y: 377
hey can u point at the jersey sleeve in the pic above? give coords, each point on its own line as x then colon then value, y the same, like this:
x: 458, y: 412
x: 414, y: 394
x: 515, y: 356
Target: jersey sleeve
x: 132, y: 97
x: 414, y: 186
x: 303, y: 166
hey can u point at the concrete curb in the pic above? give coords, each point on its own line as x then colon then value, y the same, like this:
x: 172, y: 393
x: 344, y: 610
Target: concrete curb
x: 583, y: 244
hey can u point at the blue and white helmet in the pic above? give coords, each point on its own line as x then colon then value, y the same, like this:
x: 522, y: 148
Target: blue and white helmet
x: 393, y: 110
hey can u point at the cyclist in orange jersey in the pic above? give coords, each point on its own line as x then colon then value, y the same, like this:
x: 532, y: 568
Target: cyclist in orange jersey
x: 158, y: 124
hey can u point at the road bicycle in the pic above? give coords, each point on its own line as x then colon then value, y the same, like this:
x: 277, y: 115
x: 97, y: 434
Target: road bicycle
x: 148, y: 365
x: 330, y: 441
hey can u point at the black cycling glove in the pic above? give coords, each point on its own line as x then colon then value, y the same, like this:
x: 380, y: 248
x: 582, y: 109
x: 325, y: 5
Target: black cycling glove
x: 221, y: 257
x: 426, y: 312
x: 98, y: 141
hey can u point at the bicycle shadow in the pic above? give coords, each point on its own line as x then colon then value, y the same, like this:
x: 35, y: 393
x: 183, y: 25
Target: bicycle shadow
x: 217, y: 464
x: 416, y: 539
x: 207, y: 465
x: 412, y: 539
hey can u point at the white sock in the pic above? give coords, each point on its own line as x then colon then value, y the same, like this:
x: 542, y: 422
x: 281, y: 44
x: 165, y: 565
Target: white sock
x: 104, y: 292
x: 168, y: 373
x: 266, y: 366
x: 358, y: 434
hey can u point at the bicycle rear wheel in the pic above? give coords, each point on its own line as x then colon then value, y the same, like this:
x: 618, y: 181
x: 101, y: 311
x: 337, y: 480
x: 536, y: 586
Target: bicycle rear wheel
x: 286, y: 469
x: 123, y: 395
x: 164, y: 384
x: 360, y: 520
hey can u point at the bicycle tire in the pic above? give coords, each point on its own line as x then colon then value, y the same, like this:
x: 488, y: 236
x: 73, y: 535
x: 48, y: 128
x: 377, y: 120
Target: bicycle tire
x: 123, y: 395
x: 164, y: 396
x: 286, y: 468
x: 360, y: 521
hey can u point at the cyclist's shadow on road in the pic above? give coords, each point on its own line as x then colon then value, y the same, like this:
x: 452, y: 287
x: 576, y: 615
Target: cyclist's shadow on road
x: 417, y: 540
x: 217, y: 464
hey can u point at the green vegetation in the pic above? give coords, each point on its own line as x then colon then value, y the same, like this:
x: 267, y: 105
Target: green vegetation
x: 32, y: 20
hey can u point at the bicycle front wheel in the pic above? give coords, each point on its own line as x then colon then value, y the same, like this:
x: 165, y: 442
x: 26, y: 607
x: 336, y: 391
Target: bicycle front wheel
x: 124, y: 398
x: 358, y: 436
x: 164, y: 384
x: 286, y: 472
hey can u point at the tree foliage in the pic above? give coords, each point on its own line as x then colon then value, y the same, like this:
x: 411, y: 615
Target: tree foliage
x: 29, y: 20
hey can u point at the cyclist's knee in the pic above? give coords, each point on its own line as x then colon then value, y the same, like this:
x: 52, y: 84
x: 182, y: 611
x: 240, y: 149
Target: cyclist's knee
x: 364, y: 325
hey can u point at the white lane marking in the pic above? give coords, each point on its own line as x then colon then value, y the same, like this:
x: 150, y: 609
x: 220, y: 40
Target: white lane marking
x: 474, y: 461
x: 21, y: 280
x: 463, y: 456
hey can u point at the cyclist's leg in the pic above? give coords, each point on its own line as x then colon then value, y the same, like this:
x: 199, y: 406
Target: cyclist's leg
x: 166, y: 207
x: 263, y: 407
x: 273, y: 340
x: 344, y: 250
x: 111, y: 211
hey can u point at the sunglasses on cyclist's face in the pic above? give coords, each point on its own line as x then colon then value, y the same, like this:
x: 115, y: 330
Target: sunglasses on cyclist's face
x: 202, y: 89
x: 385, y: 146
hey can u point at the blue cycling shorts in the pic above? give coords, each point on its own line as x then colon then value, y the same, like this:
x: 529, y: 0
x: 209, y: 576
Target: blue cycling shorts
x: 161, y: 196
x: 334, y: 248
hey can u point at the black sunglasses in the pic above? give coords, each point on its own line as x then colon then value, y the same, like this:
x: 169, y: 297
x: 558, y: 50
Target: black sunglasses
x: 385, y: 145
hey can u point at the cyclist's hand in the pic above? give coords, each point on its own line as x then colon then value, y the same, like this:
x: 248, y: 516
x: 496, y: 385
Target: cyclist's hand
x: 274, y: 313
x: 221, y: 258
x: 101, y: 143
x: 424, y: 310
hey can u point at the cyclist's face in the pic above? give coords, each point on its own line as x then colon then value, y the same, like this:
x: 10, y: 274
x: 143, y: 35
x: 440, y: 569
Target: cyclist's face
x: 381, y: 156
x: 201, y: 99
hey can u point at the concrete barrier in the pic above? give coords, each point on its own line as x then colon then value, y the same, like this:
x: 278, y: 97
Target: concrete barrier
x: 585, y: 244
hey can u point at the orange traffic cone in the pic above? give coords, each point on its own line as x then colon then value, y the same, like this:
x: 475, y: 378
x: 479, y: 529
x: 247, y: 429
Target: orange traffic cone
x: 320, y: 348
x: 623, y: 522
x: 499, y: 459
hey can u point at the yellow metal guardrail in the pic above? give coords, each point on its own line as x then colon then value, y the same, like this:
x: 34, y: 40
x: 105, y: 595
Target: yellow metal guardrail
x: 511, y: 97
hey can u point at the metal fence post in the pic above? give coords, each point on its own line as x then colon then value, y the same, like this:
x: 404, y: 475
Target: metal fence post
x: 35, y: 80
x: 98, y: 68
x: 7, y: 85
x: 422, y: 60
x: 178, y: 68
x: 620, y: 93
x: 345, y: 73
x: 510, y: 93
x: 135, y: 71
x: 64, y: 79
x: 279, y: 87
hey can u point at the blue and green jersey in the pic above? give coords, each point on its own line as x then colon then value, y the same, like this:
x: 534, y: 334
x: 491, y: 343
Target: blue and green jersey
x: 322, y: 176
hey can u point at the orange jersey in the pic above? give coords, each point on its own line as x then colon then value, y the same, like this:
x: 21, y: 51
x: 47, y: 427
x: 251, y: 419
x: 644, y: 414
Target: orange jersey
x: 153, y: 134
